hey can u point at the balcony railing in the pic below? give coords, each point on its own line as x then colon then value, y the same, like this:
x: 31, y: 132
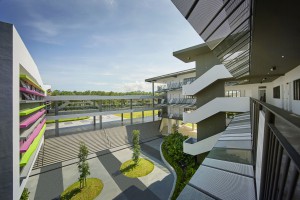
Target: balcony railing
x: 175, y: 85
x: 280, y: 158
x: 182, y: 102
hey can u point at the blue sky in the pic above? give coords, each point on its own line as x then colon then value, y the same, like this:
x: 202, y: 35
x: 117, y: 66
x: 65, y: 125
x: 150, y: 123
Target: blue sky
x: 110, y: 45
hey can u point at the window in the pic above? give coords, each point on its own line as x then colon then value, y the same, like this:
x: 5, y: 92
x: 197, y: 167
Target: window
x: 297, y: 89
x: 276, y: 92
x: 233, y: 93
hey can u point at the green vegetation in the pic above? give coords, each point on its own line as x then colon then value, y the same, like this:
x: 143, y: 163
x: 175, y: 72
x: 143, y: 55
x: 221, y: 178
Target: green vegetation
x: 136, y: 146
x: 83, y: 165
x: 91, y: 191
x: 67, y: 120
x: 101, y: 93
x: 132, y: 170
x: 190, y: 125
x: 147, y: 113
x: 184, y: 165
x: 25, y: 194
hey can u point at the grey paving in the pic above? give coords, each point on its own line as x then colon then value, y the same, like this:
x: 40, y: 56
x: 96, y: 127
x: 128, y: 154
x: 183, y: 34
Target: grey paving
x: 60, y: 149
x: 48, y: 182
x: 131, y: 188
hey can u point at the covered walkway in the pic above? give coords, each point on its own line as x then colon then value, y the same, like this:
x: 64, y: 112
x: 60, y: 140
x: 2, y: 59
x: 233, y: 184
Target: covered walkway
x: 227, y: 171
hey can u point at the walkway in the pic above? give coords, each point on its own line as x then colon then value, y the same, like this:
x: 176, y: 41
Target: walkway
x: 46, y: 183
x: 81, y: 126
x: 227, y: 172
x: 59, y: 149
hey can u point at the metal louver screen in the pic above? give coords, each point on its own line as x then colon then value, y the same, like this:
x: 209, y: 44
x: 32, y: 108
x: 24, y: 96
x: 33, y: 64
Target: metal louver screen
x: 225, y: 27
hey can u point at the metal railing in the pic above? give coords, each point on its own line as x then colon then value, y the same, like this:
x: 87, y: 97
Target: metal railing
x: 175, y: 85
x: 280, y: 159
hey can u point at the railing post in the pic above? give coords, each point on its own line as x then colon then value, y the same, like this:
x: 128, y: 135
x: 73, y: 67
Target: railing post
x: 269, y: 118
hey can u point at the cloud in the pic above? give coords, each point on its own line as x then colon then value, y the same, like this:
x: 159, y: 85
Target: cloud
x: 137, y: 86
x: 98, y: 83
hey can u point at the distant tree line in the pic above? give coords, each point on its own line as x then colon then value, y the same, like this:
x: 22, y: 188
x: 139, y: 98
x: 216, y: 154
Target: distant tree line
x: 101, y: 93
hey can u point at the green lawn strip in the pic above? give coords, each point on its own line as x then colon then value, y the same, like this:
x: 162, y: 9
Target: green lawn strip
x: 90, y: 191
x: 147, y: 113
x: 67, y: 120
x: 143, y: 168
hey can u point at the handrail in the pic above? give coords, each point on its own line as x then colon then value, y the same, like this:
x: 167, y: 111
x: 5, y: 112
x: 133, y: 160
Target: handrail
x: 28, y: 91
x: 29, y: 80
x: 276, y: 140
x: 282, y: 114
x: 24, y: 147
x: 30, y: 110
x: 31, y: 119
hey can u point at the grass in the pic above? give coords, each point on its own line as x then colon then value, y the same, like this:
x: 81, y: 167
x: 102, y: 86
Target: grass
x: 147, y: 113
x: 143, y: 168
x: 89, y: 192
x: 67, y: 120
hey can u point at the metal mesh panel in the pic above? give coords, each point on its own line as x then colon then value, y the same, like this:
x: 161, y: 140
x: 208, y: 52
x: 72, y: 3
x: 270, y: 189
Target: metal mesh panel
x: 183, y: 6
x: 204, y: 11
x: 247, y: 138
x: 234, y: 144
x: 224, y: 185
x: 190, y: 193
x: 232, y: 155
x: 229, y: 166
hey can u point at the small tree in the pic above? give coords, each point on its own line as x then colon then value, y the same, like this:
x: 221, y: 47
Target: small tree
x: 25, y: 194
x: 83, y: 165
x: 136, y: 146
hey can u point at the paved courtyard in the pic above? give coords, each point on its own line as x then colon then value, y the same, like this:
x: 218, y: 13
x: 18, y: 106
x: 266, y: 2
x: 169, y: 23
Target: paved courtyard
x: 48, y: 182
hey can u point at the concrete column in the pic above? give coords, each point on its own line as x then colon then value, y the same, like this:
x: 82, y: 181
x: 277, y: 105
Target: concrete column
x: 100, y: 120
x: 9, y: 117
x: 94, y: 120
x: 216, y: 123
x: 153, y: 101
x: 56, y: 121
x: 131, y: 120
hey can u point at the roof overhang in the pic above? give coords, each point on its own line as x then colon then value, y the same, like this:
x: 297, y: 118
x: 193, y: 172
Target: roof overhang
x: 190, y: 54
x: 175, y: 74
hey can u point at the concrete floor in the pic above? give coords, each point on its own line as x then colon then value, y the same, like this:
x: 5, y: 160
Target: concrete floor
x: 49, y: 183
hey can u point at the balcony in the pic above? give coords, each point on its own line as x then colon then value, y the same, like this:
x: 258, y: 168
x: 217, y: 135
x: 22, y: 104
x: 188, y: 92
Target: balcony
x: 258, y: 153
x: 181, y: 102
x: 175, y: 85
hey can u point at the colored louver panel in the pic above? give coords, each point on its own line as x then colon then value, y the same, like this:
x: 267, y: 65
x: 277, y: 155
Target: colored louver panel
x: 25, y: 158
x: 31, y: 119
x: 24, y: 147
x: 31, y: 110
x: 29, y: 80
x: 28, y: 91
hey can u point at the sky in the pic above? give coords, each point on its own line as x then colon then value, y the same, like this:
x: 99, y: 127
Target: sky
x: 108, y: 45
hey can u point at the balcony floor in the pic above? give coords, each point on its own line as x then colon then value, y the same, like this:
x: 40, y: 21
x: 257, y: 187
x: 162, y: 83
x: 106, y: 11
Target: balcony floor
x: 227, y: 171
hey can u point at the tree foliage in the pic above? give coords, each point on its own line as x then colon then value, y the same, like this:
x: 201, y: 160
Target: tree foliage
x: 25, y: 194
x: 136, y: 146
x: 83, y: 165
x: 101, y: 93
